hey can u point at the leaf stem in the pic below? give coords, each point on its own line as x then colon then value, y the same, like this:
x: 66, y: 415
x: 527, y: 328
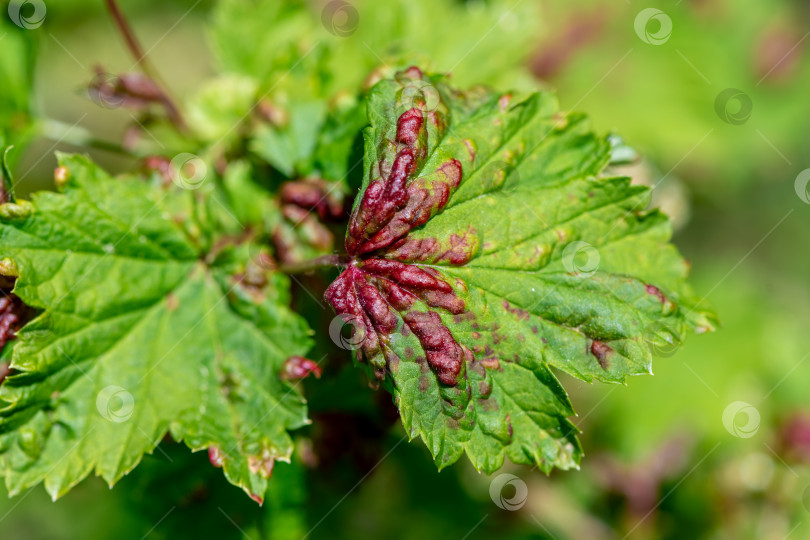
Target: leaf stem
x: 313, y: 264
x: 141, y: 61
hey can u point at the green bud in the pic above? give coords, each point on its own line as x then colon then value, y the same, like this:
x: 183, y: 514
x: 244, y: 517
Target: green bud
x: 61, y: 176
x: 19, y: 210
x: 30, y: 442
x: 9, y: 268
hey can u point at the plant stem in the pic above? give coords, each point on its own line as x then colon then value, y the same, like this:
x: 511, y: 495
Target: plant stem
x: 143, y: 63
x: 312, y: 264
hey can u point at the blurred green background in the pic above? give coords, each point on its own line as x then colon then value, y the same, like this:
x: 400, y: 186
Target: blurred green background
x: 660, y: 460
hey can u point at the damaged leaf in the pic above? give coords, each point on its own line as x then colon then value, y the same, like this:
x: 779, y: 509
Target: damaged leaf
x: 487, y: 250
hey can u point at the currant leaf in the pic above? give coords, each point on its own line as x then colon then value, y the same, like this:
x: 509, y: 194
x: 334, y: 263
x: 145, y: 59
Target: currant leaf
x: 139, y: 336
x: 488, y: 250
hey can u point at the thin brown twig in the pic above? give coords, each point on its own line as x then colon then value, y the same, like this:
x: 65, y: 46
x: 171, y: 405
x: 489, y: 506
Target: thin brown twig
x: 143, y: 63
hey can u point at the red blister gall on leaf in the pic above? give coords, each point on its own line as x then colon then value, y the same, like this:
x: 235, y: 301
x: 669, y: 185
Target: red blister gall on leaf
x: 459, y: 283
x: 373, y: 291
x: 13, y: 312
x: 306, y: 206
x: 297, y: 368
x: 380, y: 292
x: 216, y: 456
x: 8, y: 318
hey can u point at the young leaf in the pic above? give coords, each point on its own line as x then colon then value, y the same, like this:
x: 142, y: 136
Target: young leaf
x: 487, y: 250
x: 139, y: 336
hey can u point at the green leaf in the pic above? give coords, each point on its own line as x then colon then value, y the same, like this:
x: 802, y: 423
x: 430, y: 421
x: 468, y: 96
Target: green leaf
x: 220, y: 106
x: 489, y: 251
x: 319, y: 53
x: 479, y: 42
x: 289, y: 148
x: 338, y: 153
x: 138, y: 337
x: 242, y: 42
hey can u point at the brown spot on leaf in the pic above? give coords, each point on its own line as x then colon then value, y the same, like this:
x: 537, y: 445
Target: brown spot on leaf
x: 464, y: 317
x: 602, y: 352
x: 484, y: 388
x: 488, y: 405
x: 521, y: 314
x: 393, y: 361
x: 422, y: 362
x: 491, y: 363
